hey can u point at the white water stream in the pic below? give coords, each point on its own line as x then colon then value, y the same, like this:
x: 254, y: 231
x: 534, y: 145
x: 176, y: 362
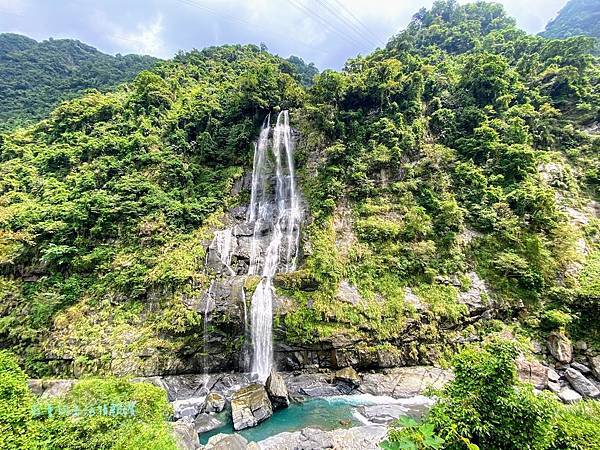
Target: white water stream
x: 275, y: 213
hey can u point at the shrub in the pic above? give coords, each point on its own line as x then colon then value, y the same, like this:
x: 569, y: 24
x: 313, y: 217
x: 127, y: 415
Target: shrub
x: 15, y: 403
x: 486, y: 403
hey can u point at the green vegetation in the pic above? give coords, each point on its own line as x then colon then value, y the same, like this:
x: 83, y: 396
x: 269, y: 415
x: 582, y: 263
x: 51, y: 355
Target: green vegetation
x: 486, y: 407
x: 85, y: 417
x: 105, y: 208
x: 577, y: 18
x: 36, y: 76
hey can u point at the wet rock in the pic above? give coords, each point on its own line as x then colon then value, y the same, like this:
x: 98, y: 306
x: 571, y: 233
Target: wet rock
x: 250, y: 406
x: 187, y: 408
x: 581, y: 384
x: 560, y: 347
x: 357, y: 438
x: 348, y: 375
x: 207, y: 422
x: 532, y: 372
x: 180, y: 387
x: 277, y: 390
x: 581, y: 367
x: 226, y: 442
x: 568, y: 395
x: 595, y: 366
x: 214, y: 403
x: 320, y: 391
x: 186, y: 437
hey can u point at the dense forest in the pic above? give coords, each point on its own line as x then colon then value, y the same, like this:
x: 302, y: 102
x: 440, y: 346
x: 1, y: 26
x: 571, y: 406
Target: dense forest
x: 464, y: 150
x: 577, y: 18
x: 36, y: 76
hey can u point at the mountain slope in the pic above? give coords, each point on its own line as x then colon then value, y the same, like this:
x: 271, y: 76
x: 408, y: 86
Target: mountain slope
x: 36, y: 76
x: 577, y: 18
x: 451, y: 181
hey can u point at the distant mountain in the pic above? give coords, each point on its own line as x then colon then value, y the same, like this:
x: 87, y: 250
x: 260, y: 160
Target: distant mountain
x: 577, y: 18
x: 36, y: 76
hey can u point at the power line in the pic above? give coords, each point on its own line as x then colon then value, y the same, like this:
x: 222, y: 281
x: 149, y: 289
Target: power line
x: 358, y: 21
x: 346, y: 22
x: 246, y: 24
x: 298, y: 5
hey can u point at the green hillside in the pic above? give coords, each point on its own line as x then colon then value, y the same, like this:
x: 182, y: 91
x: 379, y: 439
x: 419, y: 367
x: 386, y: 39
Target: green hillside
x: 36, y: 76
x: 577, y: 18
x: 463, y: 157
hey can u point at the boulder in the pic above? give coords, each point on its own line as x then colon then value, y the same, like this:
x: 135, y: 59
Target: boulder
x: 595, y: 366
x: 580, y: 346
x: 357, y: 438
x: 207, y: 422
x: 186, y: 437
x: 56, y: 388
x: 189, y: 407
x: 226, y: 442
x: 554, y: 386
x: 250, y: 406
x: 532, y: 372
x: 560, y: 347
x: 581, y: 384
x: 387, y: 413
x: 568, y: 395
x: 403, y: 382
x: 581, y: 367
x: 553, y: 375
x: 348, y: 375
x: 214, y: 403
x: 277, y: 390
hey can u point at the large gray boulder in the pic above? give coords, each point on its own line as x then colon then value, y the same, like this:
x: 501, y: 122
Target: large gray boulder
x: 560, y: 347
x: 185, y: 435
x: 357, y: 438
x: 581, y: 384
x: 189, y: 407
x: 250, y: 406
x: 226, y: 442
x: 404, y: 382
x: 277, y: 390
x: 215, y: 402
x: 207, y: 422
x: 568, y: 395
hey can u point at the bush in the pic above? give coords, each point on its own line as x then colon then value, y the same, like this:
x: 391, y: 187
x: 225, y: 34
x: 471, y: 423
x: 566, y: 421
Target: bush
x: 578, y: 427
x: 15, y: 403
x: 486, y: 404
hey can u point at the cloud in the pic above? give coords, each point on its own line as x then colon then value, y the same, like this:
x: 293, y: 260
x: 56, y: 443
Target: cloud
x: 146, y: 38
x: 13, y: 7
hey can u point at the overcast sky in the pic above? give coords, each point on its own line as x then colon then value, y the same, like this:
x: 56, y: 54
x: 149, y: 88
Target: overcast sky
x: 324, y: 31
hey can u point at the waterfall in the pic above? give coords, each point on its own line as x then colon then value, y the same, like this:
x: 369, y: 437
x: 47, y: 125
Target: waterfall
x: 210, y: 300
x: 223, y: 243
x: 275, y: 214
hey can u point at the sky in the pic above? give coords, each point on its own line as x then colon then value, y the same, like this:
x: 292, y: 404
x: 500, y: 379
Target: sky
x: 326, y: 32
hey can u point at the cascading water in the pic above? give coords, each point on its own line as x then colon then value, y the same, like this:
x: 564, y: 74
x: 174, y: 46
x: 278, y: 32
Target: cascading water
x: 275, y: 213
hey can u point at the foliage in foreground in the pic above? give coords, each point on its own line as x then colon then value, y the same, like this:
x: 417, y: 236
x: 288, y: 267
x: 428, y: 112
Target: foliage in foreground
x: 29, y: 424
x: 486, y: 407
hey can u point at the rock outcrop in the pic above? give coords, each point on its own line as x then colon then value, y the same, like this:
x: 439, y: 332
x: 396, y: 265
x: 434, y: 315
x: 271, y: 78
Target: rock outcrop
x: 277, y: 390
x: 207, y: 422
x: 533, y: 372
x: 404, y: 382
x: 250, y: 406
